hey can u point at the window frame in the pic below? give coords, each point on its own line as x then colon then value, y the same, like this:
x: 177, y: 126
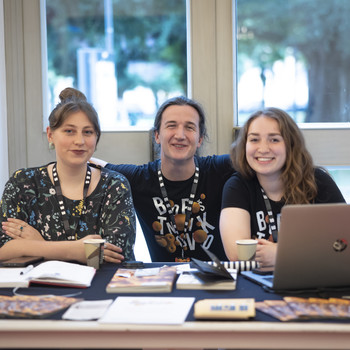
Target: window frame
x: 212, y: 81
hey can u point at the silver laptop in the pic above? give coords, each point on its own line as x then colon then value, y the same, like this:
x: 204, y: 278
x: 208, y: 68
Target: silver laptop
x: 313, y: 248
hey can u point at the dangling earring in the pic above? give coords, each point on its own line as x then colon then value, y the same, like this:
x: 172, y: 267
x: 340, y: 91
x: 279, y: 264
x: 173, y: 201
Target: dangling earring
x: 51, y: 146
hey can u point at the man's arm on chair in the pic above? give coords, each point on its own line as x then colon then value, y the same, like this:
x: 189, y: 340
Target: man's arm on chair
x: 97, y: 161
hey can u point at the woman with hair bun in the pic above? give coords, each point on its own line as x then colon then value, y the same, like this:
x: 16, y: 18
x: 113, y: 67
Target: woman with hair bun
x: 50, y: 210
x: 274, y: 168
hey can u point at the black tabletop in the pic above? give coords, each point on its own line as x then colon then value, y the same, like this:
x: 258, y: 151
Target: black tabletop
x: 97, y: 291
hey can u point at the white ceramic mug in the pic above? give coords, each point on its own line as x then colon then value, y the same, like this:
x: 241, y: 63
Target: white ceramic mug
x: 246, y: 249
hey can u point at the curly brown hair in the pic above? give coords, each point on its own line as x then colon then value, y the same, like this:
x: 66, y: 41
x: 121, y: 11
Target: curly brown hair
x: 298, y: 172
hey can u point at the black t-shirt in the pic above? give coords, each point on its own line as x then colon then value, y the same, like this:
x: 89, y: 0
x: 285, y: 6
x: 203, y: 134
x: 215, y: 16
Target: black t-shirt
x: 246, y: 194
x: 162, y: 243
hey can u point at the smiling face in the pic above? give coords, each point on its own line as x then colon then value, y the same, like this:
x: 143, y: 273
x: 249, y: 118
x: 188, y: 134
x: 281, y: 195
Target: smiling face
x: 265, y: 147
x: 75, y: 140
x: 179, y: 134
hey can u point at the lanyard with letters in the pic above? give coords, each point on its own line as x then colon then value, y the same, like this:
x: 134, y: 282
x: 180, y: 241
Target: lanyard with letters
x: 272, y: 222
x: 69, y: 231
x: 188, y: 209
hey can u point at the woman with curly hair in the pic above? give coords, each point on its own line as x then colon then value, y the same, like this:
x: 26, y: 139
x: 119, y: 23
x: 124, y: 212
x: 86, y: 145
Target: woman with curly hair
x: 274, y: 168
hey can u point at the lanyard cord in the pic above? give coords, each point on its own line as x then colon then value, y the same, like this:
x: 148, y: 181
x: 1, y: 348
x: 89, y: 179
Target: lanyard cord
x: 188, y: 208
x: 272, y: 222
x: 69, y: 231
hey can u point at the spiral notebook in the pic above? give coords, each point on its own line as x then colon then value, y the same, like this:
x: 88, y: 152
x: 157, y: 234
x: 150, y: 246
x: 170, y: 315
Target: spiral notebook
x: 313, y: 248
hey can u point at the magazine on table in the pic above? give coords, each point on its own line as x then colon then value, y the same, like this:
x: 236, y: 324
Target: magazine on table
x: 152, y: 280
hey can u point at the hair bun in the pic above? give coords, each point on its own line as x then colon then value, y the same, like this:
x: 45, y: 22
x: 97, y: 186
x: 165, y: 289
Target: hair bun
x: 71, y: 94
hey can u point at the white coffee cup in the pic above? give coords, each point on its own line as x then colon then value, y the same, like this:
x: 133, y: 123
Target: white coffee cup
x: 246, y: 249
x: 94, y: 249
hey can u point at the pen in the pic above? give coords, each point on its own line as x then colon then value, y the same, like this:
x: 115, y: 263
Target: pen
x: 26, y: 270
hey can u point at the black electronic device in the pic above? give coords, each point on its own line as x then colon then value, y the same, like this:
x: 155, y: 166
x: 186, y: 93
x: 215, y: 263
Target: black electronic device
x: 21, y: 261
x: 133, y: 264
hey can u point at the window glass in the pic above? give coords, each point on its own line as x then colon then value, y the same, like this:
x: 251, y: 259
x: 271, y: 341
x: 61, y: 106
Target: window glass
x: 341, y: 175
x: 127, y: 56
x: 294, y: 54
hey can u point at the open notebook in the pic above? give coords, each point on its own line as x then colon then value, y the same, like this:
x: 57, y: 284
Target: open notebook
x: 313, y: 248
x: 54, y: 272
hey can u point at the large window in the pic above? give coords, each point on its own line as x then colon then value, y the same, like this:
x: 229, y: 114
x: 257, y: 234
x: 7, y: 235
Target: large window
x: 127, y: 56
x: 294, y: 54
x: 211, y: 68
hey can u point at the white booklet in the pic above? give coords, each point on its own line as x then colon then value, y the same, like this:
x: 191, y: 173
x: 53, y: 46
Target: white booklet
x: 87, y: 310
x: 148, y: 310
x: 52, y: 272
